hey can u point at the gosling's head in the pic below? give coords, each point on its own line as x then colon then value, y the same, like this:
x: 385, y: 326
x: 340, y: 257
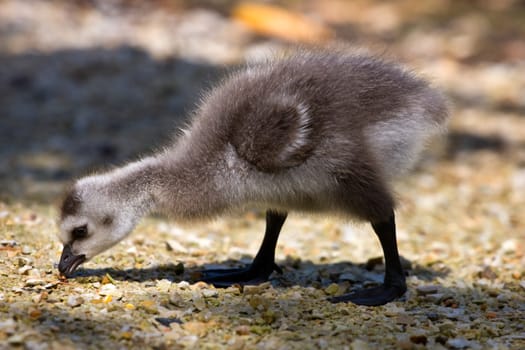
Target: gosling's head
x: 91, y: 221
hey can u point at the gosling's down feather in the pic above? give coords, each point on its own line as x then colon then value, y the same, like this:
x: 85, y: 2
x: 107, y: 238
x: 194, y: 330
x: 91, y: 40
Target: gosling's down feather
x: 288, y: 133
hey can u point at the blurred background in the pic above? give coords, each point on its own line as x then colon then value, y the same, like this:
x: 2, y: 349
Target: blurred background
x: 90, y: 83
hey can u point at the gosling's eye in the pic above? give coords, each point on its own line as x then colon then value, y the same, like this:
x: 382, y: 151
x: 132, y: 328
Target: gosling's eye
x: 79, y: 232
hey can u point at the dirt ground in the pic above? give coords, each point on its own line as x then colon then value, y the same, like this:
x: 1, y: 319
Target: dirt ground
x: 88, y: 85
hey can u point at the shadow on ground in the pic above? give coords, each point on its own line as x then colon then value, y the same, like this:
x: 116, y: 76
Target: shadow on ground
x: 295, y: 272
x: 69, y: 112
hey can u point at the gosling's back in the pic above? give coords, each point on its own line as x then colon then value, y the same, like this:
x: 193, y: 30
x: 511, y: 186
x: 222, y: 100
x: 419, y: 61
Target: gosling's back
x: 301, y: 131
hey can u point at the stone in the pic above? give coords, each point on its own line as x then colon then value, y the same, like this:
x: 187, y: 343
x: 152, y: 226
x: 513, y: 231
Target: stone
x: 110, y: 289
x: 209, y: 293
x: 426, y: 289
x: 27, y: 250
x: 32, y: 282
x: 74, y: 300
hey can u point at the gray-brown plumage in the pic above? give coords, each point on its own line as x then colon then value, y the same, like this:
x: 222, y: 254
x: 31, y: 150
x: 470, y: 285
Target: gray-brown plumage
x: 317, y: 131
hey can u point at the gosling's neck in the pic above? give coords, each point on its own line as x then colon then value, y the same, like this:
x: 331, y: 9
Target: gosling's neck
x: 130, y: 189
x: 181, y: 187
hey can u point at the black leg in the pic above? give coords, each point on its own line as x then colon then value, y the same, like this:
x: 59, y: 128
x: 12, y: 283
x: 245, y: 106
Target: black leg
x: 394, y: 284
x: 263, y: 264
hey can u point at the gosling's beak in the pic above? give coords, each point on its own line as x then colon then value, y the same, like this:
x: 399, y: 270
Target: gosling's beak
x: 69, y: 262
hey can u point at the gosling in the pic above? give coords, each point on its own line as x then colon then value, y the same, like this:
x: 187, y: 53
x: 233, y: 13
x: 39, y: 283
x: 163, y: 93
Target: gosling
x: 316, y: 131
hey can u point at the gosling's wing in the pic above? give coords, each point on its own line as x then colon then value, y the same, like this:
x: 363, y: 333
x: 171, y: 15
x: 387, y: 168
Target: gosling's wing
x: 275, y: 134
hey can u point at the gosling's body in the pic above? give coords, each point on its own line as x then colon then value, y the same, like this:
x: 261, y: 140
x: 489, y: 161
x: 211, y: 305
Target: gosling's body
x: 317, y: 131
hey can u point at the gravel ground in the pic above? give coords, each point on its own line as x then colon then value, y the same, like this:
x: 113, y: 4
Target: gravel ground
x: 91, y: 86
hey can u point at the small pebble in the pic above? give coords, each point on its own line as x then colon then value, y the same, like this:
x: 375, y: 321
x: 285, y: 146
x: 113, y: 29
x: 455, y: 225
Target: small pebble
x: 31, y: 282
x: 163, y: 286
x: 8, y: 325
x: 332, y: 289
x: 24, y: 270
x: 176, y: 299
x: 199, y: 285
x: 426, y: 289
x: 8, y: 243
x: 34, y: 272
x: 107, y: 279
x: 132, y: 250
x: 392, y: 310
x: 450, y: 302
x: 50, y: 285
x: 17, y: 339
x: 198, y: 301
x: 74, y: 300
x: 435, y: 298
x: 35, y: 314
x: 488, y: 273
x: 491, y: 314
x: 197, y: 328
x: 110, y: 289
x: 27, y: 250
x: 405, y: 320
x: 236, y: 344
x: 149, y: 306
x: 257, y: 289
x: 183, y: 285
x: 348, y: 276
x: 453, y: 314
x: 359, y: 344
x: 447, y: 327
x: 174, y: 246
x: 209, y: 293
x: 39, y: 297
x: 502, y: 298
x: 242, y: 330
x: 419, y: 339
x: 126, y: 335
x: 404, y: 344
x: 458, y: 343
x: 23, y: 261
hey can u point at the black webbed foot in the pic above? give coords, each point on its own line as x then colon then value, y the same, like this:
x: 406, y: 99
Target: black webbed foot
x: 372, y: 296
x: 263, y: 264
x: 248, y: 275
x: 394, y: 284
